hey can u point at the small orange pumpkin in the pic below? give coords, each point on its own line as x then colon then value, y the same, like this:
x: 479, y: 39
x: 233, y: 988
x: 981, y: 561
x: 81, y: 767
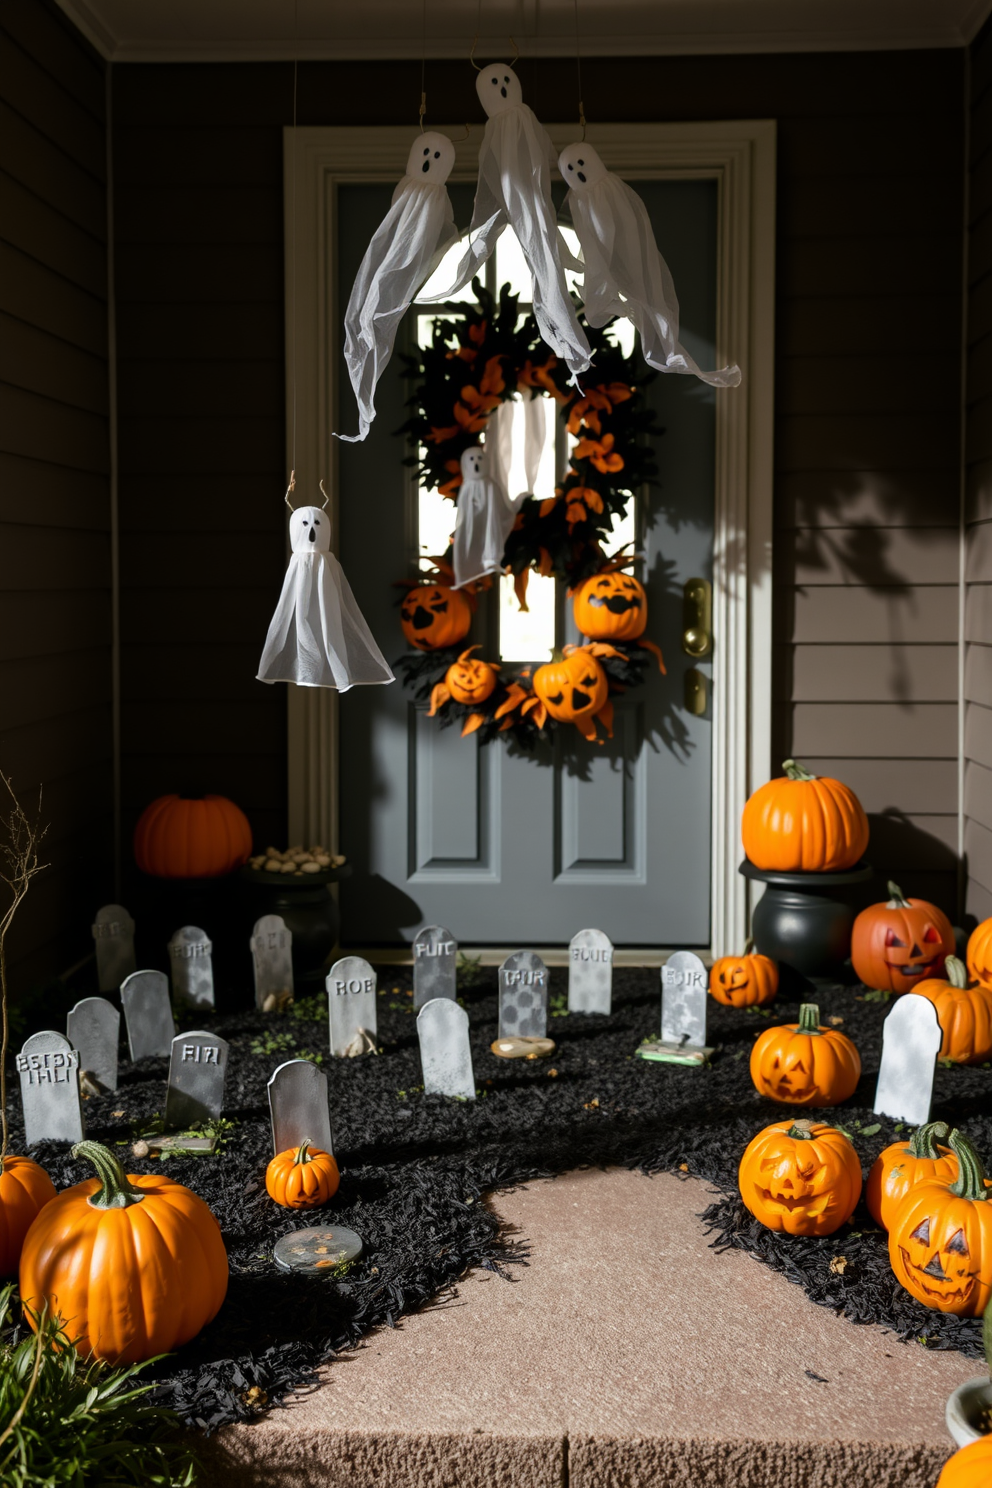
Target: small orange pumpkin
x: 803, y: 823
x: 979, y: 953
x: 470, y: 680
x: 749, y: 980
x: 803, y: 1064
x: 177, y: 837
x: 940, y: 1238
x: 905, y: 1164
x: 800, y: 1177
x: 611, y: 606
x: 302, y: 1177
x: 434, y: 616
x: 134, y: 1265
x: 964, y: 1014
x: 971, y: 1467
x: 573, y: 689
x: 25, y: 1189
x: 896, y: 944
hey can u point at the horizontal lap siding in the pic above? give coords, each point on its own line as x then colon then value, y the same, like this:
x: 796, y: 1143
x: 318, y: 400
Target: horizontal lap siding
x: 978, y: 494
x: 55, y: 603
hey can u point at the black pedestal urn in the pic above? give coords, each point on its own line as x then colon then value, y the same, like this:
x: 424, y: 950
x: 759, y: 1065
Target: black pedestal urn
x: 804, y: 920
x: 304, y: 901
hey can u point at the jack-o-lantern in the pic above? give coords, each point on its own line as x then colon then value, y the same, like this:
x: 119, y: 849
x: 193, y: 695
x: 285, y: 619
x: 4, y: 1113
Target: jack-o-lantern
x: 802, y: 1064
x: 470, y: 680
x: 923, y: 1159
x: 435, y: 615
x: 803, y: 823
x: 940, y: 1238
x: 800, y: 1177
x: 969, y: 1468
x: 750, y: 980
x: 979, y: 953
x: 611, y: 606
x: 896, y: 944
x: 573, y: 689
x: 964, y: 1014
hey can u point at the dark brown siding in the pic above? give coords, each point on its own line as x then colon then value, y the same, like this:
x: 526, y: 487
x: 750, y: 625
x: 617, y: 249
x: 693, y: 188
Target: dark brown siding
x: 867, y: 388
x: 55, y: 608
x: 978, y: 504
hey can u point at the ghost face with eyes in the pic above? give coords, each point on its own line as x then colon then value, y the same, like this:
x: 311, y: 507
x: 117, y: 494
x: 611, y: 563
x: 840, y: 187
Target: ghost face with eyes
x: 473, y: 463
x: 431, y: 159
x: 498, y: 88
x: 309, y: 530
x: 581, y: 167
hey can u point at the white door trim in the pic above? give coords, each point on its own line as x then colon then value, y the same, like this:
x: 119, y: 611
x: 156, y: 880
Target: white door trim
x: 740, y: 156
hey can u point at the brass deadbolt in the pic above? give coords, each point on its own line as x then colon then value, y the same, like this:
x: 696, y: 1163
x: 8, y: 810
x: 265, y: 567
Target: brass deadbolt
x: 697, y: 639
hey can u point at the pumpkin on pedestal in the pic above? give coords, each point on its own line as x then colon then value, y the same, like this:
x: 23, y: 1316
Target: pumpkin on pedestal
x: 180, y: 837
x: 896, y: 944
x: 902, y: 1165
x: 302, y: 1177
x: 802, y: 1064
x: 749, y: 980
x: 979, y: 953
x: 800, y: 1177
x: 803, y: 823
x: 25, y: 1189
x: 434, y: 616
x: 964, y: 1013
x: 940, y: 1238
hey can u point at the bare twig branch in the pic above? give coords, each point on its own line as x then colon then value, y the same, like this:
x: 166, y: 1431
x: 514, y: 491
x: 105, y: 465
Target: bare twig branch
x: 19, y: 864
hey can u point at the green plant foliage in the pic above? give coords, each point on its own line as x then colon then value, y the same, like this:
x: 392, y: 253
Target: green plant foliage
x: 282, y: 1043
x: 64, y: 1421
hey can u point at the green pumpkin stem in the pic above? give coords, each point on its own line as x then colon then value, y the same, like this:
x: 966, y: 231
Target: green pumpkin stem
x: 114, y: 1192
x: 795, y: 771
x: 970, y: 1182
x: 956, y: 972
x: 923, y: 1142
x: 801, y: 1131
x: 897, y: 899
x: 303, y: 1153
x: 809, y: 1018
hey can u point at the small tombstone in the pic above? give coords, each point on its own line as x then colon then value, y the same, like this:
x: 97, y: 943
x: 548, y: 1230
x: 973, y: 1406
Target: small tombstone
x: 911, y: 1038
x: 435, y: 956
x: 445, y: 1055
x: 317, y: 1250
x: 148, y: 1014
x: 590, y: 972
x: 298, y: 1106
x: 196, y: 1078
x: 49, y: 1069
x: 113, y: 932
x: 272, y: 949
x: 192, y: 967
x: 684, y: 988
x: 93, y: 1028
x: 523, y: 996
x: 351, y: 989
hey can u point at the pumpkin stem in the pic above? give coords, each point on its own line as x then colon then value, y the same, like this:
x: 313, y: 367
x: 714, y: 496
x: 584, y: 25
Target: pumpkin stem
x: 956, y: 972
x: 302, y: 1154
x: 809, y: 1018
x: 114, y: 1192
x: 801, y: 1131
x: 795, y: 771
x: 923, y: 1142
x: 970, y: 1182
x: 897, y: 899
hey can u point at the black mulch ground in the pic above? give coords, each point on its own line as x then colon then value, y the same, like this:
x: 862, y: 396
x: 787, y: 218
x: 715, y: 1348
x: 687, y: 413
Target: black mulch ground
x: 415, y: 1169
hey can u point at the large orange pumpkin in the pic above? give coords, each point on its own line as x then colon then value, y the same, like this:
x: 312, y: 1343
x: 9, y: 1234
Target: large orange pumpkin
x: 803, y: 1064
x: 803, y: 823
x: 25, y: 1189
x: 573, y: 689
x: 750, y: 980
x: 902, y: 1165
x: 302, y: 1177
x: 180, y: 837
x: 896, y: 944
x: 611, y: 606
x: 940, y: 1238
x: 800, y: 1177
x: 134, y: 1265
x: 434, y: 616
x: 979, y: 953
x: 964, y: 1014
x: 969, y: 1468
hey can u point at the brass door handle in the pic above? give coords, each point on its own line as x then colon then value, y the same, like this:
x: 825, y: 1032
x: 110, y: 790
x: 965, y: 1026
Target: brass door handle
x: 696, y: 618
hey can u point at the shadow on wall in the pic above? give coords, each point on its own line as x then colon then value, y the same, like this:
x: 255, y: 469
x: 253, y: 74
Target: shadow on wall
x: 924, y: 865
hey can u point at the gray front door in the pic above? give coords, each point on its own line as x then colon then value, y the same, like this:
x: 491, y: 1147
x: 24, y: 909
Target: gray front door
x: 503, y: 847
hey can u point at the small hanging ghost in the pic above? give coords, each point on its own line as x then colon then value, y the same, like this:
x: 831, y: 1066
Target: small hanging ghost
x: 318, y: 636
x: 625, y: 273
x: 514, y: 190
x: 405, y: 250
x: 485, y: 516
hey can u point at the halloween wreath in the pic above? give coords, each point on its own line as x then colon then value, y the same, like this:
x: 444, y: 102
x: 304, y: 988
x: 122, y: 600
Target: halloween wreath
x: 473, y: 364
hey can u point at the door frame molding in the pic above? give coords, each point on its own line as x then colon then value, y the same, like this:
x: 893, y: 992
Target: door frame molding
x: 740, y: 156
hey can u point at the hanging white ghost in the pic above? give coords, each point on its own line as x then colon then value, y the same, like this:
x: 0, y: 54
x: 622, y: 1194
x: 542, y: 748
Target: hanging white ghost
x: 486, y: 513
x: 514, y: 190
x: 405, y: 250
x: 318, y: 636
x: 625, y: 273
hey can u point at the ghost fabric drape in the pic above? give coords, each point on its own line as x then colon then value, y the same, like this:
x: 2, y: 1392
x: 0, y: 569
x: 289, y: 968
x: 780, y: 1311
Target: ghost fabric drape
x: 485, y: 516
x: 625, y: 273
x: 405, y: 250
x: 318, y: 636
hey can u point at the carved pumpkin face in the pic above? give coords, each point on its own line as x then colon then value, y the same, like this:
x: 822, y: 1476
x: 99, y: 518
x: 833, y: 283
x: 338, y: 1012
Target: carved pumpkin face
x: 903, y: 1165
x: 895, y: 945
x: 469, y: 680
x: 434, y: 615
x: 611, y: 606
x: 980, y: 953
x: 572, y: 689
x: 803, y: 1064
x: 940, y: 1247
x: 744, y: 981
x: 800, y: 1177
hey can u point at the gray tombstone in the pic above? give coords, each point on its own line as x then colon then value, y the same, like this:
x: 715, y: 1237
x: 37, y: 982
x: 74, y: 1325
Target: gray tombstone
x: 435, y: 958
x: 590, y: 972
x: 445, y: 1054
x: 272, y: 950
x: 684, y: 988
x: 298, y: 1106
x: 351, y: 989
x: 148, y: 1014
x: 196, y: 1078
x: 93, y: 1028
x: 523, y: 996
x: 49, y: 1069
x: 192, y: 967
x: 911, y: 1039
x: 113, y: 932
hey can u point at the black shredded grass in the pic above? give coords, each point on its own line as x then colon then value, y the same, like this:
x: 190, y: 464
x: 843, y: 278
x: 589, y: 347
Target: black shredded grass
x: 416, y: 1171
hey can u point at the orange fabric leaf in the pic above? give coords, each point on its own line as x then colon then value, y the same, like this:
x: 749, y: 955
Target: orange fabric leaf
x: 492, y: 380
x: 477, y: 333
x: 439, y: 436
x: 575, y: 512
x: 472, y: 722
x: 544, y: 565
x: 514, y: 695
x: 605, y: 716
x: 617, y: 392
x: 520, y: 583
x: 547, y: 505
x: 439, y: 696
x: 587, y: 727
x: 650, y: 646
